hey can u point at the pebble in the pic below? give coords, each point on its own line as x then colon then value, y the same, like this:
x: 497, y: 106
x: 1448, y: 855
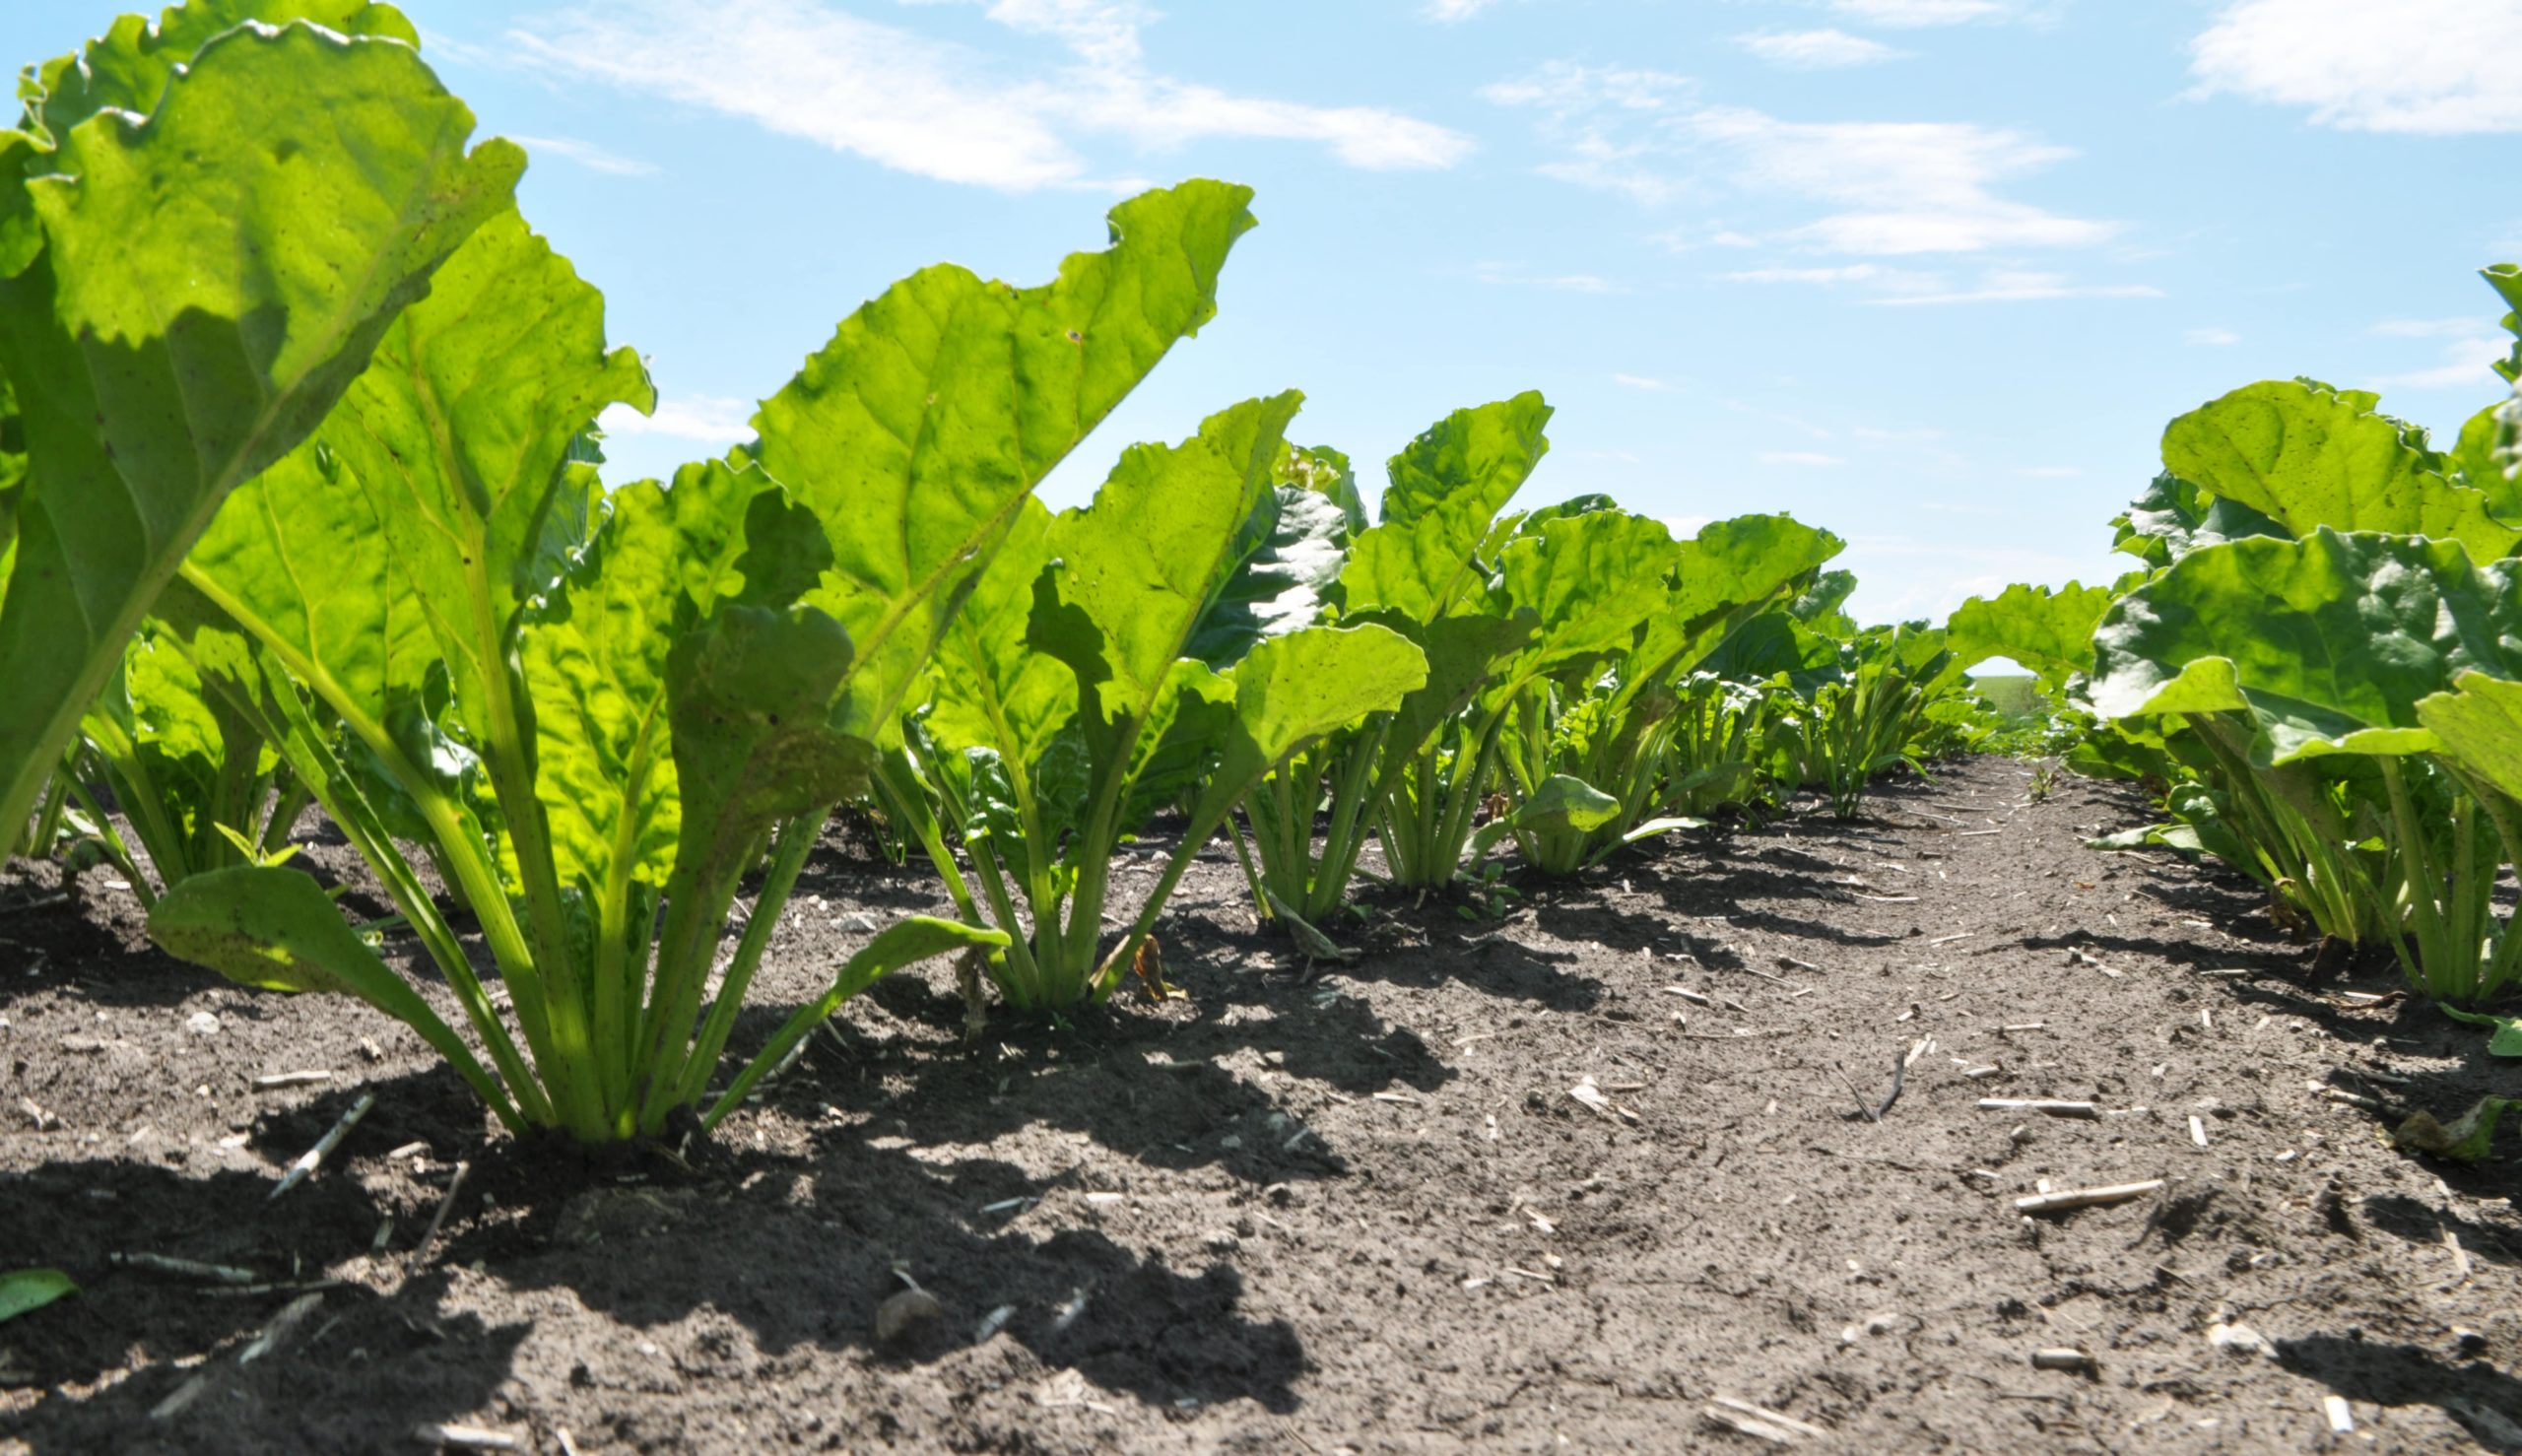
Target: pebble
x: 907, y: 1315
x: 2240, y: 1340
x: 202, y: 1023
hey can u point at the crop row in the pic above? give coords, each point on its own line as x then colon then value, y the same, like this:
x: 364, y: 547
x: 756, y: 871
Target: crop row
x: 2317, y: 667
x: 303, y: 507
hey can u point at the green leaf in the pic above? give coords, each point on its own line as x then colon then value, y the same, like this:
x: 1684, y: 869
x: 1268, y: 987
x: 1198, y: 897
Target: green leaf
x: 1731, y: 570
x: 595, y: 655
x: 2507, y: 1040
x: 2506, y: 280
x: 750, y: 696
x: 2050, y: 631
x: 24, y: 1290
x: 1463, y: 653
x: 1138, y: 567
x: 904, y: 943
x: 2467, y: 1139
x: 276, y: 929
x: 991, y: 688
x: 2479, y: 463
x: 1299, y: 541
x: 1291, y: 690
x: 184, y: 327
x: 1591, y: 580
x: 939, y: 406
x: 129, y: 66
x: 1563, y: 804
x: 2479, y: 724
x: 2308, y: 456
x: 2175, y: 517
x: 459, y: 431
x: 1325, y: 472
x: 1447, y: 488
x: 2331, y: 641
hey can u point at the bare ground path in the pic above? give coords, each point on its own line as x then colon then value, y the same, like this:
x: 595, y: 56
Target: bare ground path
x: 1365, y: 1209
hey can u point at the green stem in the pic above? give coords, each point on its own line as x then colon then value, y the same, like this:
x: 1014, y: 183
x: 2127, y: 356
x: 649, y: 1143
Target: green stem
x: 796, y: 839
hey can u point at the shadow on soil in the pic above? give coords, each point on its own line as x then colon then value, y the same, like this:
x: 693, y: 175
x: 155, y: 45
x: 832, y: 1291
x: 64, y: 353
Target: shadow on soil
x: 2485, y: 1401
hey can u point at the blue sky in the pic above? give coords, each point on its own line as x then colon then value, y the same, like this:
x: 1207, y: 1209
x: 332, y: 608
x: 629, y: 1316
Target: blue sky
x: 1932, y: 273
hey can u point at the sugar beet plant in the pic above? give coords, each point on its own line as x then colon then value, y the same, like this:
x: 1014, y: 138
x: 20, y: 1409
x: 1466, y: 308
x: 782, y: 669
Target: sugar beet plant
x: 590, y: 713
x: 2319, y: 664
x: 1115, y: 659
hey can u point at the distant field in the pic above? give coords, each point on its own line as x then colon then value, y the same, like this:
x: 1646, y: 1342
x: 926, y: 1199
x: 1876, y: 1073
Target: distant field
x: 2015, y: 693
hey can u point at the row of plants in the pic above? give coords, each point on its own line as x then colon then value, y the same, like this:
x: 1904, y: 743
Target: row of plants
x: 2318, y: 665
x: 299, y: 516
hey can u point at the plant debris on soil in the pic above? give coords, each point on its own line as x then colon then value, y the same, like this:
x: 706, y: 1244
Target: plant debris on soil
x: 1688, y: 1152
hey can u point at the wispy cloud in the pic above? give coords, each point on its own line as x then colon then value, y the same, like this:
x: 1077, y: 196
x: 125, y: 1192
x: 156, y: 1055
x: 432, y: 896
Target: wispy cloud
x: 1816, y: 51
x: 1450, y: 11
x: 2007, y: 286
x: 587, y: 154
x: 1889, y: 188
x: 2211, y: 338
x: 1646, y: 382
x: 1872, y: 275
x: 1812, y: 459
x: 1500, y: 275
x: 2432, y: 66
x: 2469, y: 346
x: 1912, y: 13
x: 704, y: 420
x: 2052, y: 472
x: 939, y: 109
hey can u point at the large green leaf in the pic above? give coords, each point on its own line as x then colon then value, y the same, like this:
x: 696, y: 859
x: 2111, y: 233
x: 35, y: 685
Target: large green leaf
x: 1291, y: 690
x: 2308, y: 456
x: 595, y: 655
x: 277, y: 930
x: 459, y: 431
x: 2050, y: 631
x: 1296, y: 544
x: 185, y: 326
x: 1729, y: 571
x: 1139, y: 566
x: 1590, y: 580
x: 2331, y: 641
x: 1447, y: 488
x: 2480, y: 726
x: 939, y: 405
x: 2175, y: 518
x: 127, y: 68
x: 991, y: 689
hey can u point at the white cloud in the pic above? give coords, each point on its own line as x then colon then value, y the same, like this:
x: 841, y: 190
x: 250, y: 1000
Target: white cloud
x: 1450, y: 11
x: 2434, y: 66
x: 1911, y: 187
x: 2469, y: 346
x: 587, y: 154
x: 1502, y: 276
x: 706, y: 420
x: 1645, y: 382
x: 938, y: 109
x: 2012, y: 287
x: 1896, y: 188
x: 1816, y: 51
x: 1810, y: 458
x: 1684, y: 527
x: 1907, y: 12
x: 2211, y: 338
x: 1873, y: 274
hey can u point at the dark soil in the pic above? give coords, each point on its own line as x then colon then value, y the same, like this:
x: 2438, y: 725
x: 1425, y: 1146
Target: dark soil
x: 1331, y: 1207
